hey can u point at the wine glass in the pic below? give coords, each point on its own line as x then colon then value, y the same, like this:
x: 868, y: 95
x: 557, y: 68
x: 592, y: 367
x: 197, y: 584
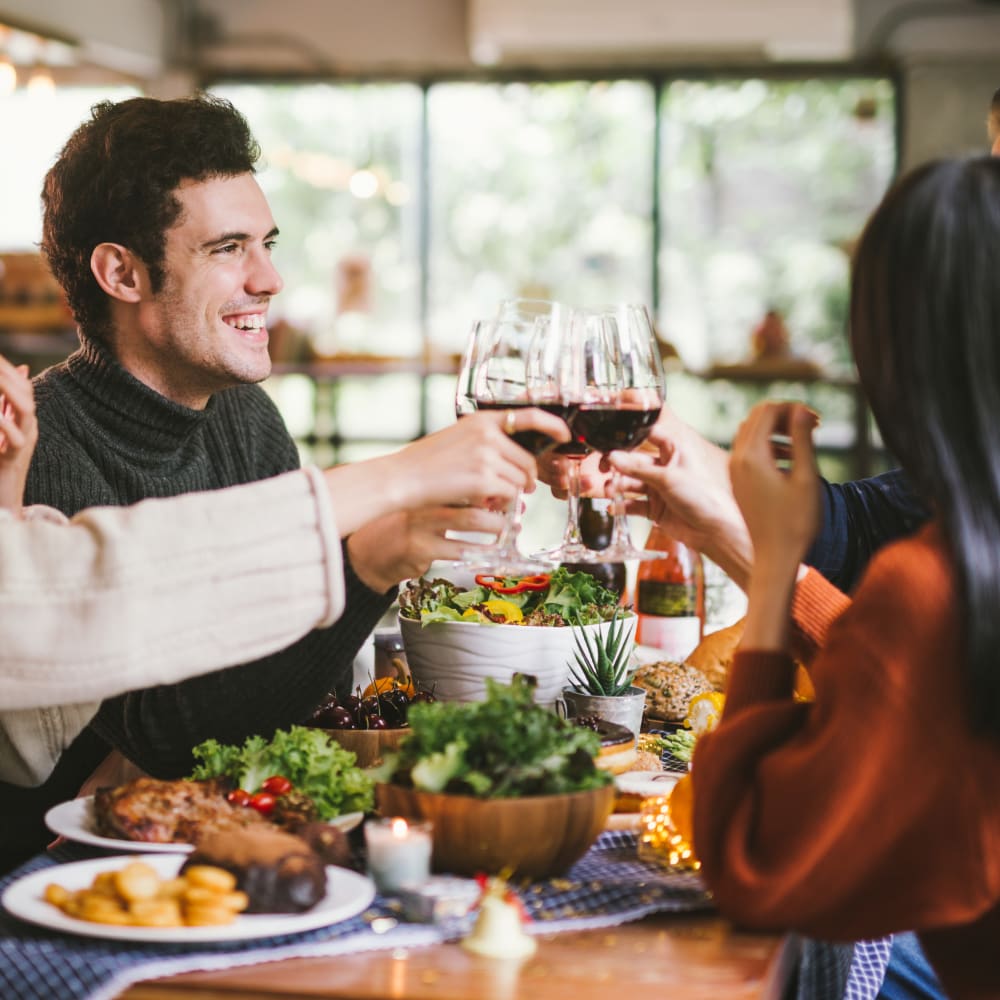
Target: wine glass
x: 528, y: 310
x: 621, y: 395
x: 465, y: 395
x: 493, y: 376
x: 554, y: 382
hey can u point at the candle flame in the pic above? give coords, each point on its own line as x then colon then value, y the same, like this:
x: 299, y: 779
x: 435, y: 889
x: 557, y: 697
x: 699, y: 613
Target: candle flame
x: 399, y: 827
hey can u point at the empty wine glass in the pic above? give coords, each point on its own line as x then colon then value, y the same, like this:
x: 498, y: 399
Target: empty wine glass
x: 621, y: 395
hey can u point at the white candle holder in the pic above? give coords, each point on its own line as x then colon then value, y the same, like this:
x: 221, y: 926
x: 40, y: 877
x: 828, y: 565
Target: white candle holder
x: 399, y: 852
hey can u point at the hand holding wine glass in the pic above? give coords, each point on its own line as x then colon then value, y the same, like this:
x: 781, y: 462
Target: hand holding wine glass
x: 494, y: 377
x: 621, y: 395
x: 554, y: 383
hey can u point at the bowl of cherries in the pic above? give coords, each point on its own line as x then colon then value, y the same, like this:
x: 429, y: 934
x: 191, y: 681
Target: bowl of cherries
x: 370, y: 721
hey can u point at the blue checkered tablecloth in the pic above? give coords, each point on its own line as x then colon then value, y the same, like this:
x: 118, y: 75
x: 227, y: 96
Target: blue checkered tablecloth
x: 608, y: 886
x: 831, y: 971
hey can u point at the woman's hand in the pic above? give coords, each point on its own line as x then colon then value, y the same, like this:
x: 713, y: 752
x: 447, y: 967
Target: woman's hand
x: 555, y: 471
x: 780, y: 502
x: 778, y: 495
x: 18, y: 433
x: 688, y: 492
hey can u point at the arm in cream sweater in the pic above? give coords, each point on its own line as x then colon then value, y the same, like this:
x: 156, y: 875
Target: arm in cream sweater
x: 125, y: 597
x: 120, y: 598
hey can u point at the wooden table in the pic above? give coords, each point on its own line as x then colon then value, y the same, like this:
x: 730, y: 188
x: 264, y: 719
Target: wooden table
x: 675, y: 957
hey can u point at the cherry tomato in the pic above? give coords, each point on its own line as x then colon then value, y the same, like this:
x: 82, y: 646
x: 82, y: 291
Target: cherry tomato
x: 263, y: 802
x: 277, y: 784
x: 239, y: 797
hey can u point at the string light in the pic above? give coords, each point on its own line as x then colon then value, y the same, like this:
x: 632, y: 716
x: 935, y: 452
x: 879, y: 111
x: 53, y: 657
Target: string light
x: 659, y: 840
x: 40, y: 83
x: 20, y: 48
x: 8, y: 77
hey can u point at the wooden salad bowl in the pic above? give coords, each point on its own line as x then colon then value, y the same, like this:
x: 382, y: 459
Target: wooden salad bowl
x: 368, y: 745
x: 535, y: 836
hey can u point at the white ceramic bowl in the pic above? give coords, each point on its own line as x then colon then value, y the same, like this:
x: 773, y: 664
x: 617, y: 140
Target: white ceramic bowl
x: 455, y: 658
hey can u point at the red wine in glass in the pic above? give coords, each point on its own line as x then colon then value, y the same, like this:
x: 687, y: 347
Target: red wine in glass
x: 531, y: 440
x: 607, y: 428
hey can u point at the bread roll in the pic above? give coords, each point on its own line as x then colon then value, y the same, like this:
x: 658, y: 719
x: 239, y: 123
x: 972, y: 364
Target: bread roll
x: 713, y: 656
x: 670, y: 686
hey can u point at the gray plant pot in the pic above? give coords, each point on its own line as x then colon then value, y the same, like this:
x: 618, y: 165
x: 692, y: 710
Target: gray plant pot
x: 625, y: 709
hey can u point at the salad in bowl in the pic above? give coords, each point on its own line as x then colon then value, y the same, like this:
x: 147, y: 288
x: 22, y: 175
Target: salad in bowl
x: 456, y: 637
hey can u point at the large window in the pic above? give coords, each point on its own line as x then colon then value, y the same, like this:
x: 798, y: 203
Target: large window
x: 341, y: 170
x: 541, y: 190
x: 765, y: 186
x: 408, y: 209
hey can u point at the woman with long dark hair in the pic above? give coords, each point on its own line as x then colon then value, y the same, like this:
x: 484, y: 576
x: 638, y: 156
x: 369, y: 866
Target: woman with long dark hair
x: 875, y: 808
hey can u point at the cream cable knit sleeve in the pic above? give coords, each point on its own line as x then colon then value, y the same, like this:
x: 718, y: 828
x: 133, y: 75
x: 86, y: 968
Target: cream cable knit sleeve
x: 128, y: 597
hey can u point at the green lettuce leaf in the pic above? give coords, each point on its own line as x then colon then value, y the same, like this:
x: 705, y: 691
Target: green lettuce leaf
x: 315, y: 763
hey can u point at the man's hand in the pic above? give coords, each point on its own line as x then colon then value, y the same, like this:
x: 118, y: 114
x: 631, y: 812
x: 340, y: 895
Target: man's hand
x: 473, y: 463
x: 396, y: 547
x: 476, y: 460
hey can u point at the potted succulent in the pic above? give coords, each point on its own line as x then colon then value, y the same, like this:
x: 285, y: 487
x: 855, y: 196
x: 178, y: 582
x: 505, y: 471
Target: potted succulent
x: 602, y: 677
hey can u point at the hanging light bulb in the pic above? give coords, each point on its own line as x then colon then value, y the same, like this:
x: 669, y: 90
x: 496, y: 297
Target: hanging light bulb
x: 8, y: 77
x: 40, y: 83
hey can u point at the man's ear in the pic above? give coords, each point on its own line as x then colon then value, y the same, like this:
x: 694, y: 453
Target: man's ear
x: 119, y: 272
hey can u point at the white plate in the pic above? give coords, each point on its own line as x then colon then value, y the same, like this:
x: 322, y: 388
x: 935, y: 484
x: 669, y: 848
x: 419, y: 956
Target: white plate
x: 648, y: 784
x: 74, y: 820
x: 347, y: 894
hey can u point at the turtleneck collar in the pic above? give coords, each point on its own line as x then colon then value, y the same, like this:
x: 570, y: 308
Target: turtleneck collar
x: 128, y: 409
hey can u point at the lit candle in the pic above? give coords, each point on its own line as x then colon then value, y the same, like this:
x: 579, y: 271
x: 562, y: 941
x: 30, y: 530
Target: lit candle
x: 399, y: 852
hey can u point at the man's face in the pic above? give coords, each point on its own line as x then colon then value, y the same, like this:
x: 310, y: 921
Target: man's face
x: 206, y: 329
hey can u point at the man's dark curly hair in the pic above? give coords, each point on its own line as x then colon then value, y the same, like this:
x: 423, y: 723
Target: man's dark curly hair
x: 115, y: 179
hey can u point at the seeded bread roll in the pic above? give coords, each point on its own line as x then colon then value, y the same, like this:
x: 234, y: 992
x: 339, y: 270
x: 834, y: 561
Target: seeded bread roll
x: 670, y: 686
x: 279, y: 872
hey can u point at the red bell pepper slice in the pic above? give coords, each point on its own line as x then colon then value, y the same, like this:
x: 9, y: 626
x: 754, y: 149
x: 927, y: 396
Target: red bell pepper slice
x: 495, y: 583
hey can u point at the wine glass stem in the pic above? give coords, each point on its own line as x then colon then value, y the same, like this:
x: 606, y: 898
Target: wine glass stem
x: 621, y: 537
x: 571, y: 536
x: 507, y: 541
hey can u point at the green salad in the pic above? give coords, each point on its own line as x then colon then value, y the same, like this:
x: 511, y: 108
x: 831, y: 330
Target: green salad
x: 503, y: 747
x: 317, y: 766
x: 559, y: 598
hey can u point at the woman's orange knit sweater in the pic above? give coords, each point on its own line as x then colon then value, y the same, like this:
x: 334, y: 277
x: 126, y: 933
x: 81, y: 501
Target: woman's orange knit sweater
x: 876, y: 808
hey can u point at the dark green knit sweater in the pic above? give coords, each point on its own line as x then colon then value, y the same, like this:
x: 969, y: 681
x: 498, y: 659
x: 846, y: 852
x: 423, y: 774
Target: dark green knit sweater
x: 105, y: 438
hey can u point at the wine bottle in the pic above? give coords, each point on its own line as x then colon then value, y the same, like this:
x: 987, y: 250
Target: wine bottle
x: 596, y: 522
x: 670, y: 597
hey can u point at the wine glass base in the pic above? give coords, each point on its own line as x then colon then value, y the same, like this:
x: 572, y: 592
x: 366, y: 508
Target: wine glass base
x: 627, y: 553
x: 570, y: 554
x: 502, y: 562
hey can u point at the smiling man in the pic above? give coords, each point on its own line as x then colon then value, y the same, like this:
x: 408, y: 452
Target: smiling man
x: 159, y: 233
x: 205, y: 329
